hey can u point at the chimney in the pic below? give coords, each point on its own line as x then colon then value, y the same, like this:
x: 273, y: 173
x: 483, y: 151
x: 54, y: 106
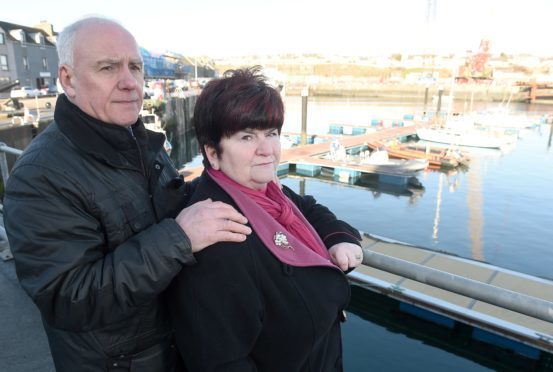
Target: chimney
x: 46, y: 27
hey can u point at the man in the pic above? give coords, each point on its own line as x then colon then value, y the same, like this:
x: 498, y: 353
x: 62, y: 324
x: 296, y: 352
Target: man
x: 94, y: 213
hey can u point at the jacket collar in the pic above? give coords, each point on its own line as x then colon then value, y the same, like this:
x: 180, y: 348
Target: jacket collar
x: 109, y: 142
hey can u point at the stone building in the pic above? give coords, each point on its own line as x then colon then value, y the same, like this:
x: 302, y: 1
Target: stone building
x: 27, y: 56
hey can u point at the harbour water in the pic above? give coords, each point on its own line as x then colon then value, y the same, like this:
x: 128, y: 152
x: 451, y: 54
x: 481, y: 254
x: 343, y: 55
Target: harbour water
x: 499, y: 210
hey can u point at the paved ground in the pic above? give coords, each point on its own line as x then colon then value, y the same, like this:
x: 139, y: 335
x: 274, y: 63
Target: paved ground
x: 23, y: 343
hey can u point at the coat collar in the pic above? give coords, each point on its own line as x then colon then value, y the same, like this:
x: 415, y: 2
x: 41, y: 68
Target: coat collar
x: 280, y: 240
x: 109, y: 142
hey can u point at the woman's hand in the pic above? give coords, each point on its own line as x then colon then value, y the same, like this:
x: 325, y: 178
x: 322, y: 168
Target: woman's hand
x: 346, y: 255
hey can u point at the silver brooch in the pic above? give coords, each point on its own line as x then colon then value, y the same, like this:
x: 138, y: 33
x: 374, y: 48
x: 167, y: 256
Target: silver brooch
x: 281, y: 240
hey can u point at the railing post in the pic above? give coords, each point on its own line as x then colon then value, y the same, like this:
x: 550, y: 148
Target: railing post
x: 3, y: 161
x: 4, y: 167
x: 5, y: 252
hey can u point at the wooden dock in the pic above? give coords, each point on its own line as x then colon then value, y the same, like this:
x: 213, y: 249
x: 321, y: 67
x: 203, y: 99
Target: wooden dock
x: 538, y: 91
x: 299, y: 153
x: 308, y: 153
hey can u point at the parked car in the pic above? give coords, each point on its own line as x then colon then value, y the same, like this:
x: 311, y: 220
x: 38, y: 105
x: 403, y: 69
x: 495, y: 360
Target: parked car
x: 24, y: 92
x: 51, y: 90
x: 148, y: 92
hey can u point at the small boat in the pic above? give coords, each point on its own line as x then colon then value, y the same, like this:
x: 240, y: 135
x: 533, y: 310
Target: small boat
x: 500, y: 118
x: 286, y: 142
x: 381, y: 160
x: 437, y: 157
x: 465, y: 137
x: 152, y: 122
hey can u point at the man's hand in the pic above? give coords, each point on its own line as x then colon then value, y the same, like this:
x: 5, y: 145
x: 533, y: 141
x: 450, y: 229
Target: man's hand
x: 346, y: 255
x: 208, y: 222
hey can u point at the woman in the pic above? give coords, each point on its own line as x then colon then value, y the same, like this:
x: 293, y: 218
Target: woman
x: 275, y: 301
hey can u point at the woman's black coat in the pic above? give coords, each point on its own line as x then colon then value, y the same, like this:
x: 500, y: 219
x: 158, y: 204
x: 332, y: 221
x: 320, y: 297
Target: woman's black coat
x: 241, y: 309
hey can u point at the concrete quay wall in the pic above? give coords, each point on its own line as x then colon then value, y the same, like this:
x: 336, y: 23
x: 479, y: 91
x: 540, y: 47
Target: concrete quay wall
x: 462, y: 92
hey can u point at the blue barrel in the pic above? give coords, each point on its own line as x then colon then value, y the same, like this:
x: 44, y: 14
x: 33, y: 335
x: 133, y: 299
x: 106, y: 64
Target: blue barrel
x: 408, y: 117
x: 335, y: 129
x: 357, y: 131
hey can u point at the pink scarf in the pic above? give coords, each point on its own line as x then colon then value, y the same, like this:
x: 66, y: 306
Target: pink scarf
x: 278, y: 222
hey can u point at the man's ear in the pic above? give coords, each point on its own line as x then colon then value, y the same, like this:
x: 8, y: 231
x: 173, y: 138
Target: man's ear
x: 211, y: 154
x: 65, y: 76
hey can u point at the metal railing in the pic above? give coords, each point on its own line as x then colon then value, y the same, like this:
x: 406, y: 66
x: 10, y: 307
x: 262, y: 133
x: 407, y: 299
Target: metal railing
x: 3, y: 161
x: 5, y: 253
x: 518, y: 302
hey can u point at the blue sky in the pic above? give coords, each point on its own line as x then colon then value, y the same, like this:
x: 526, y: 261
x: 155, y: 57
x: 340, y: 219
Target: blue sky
x: 354, y: 27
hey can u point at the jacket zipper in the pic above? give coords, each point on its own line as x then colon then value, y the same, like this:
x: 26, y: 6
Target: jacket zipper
x: 139, y: 152
x: 146, y: 176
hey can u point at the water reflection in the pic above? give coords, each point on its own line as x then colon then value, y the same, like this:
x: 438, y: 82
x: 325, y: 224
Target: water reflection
x: 475, y: 202
x: 550, y: 135
x: 438, y: 207
x: 412, y: 190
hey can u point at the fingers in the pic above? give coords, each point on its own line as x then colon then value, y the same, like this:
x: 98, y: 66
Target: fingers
x: 346, y: 255
x: 226, y: 212
x: 342, y: 261
x: 207, y: 222
x: 236, y: 227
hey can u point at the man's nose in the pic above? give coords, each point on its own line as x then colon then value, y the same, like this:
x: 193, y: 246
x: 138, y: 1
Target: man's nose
x: 127, y: 80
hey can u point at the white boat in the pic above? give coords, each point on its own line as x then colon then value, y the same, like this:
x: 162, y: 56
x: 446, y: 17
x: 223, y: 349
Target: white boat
x: 286, y: 142
x: 500, y: 118
x: 152, y: 122
x: 469, y: 137
x: 381, y: 160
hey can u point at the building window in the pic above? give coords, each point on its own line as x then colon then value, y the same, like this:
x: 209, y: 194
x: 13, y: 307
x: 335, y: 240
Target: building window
x: 25, y: 63
x: 19, y: 35
x: 2, y: 38
x: 44, y: 64
x: 39, y: 38
x: 3, y: 62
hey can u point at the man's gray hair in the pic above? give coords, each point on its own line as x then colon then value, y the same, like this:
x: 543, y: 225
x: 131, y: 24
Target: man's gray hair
x: 66, y: 38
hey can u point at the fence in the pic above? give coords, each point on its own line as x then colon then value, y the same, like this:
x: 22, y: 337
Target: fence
x: 5, y: 253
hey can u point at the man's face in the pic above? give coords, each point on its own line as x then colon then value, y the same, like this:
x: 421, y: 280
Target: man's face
x: 107, y: 79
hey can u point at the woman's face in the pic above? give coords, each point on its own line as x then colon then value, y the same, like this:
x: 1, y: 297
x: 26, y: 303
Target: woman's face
x: 249, y: 157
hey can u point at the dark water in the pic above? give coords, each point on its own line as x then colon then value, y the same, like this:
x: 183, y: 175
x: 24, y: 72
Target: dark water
x: 499, y: 210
